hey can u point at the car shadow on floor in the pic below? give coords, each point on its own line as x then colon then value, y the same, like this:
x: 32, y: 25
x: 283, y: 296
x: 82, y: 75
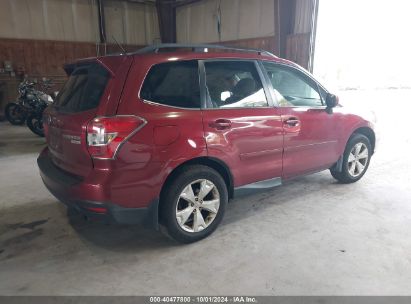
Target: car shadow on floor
x: 45, y: 225
x: 120, y: 237
x: 286, y: 194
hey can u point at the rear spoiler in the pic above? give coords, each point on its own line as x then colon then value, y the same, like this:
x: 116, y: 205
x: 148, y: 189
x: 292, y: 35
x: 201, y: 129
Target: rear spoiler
x: 69, y: 68
x: 110, y: 63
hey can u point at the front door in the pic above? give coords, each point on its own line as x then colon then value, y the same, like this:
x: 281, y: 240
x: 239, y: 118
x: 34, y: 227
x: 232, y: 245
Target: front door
x: 241, y: 126
x: 310, y: 131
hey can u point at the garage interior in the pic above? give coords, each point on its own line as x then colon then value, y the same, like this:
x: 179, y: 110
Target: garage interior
x: 312, y: 236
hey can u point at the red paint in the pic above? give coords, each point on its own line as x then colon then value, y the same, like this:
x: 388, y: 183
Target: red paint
x: 254, y: 144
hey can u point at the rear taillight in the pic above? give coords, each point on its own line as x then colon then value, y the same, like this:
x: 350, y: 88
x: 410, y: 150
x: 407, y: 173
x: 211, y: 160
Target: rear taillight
x: 105, y: 135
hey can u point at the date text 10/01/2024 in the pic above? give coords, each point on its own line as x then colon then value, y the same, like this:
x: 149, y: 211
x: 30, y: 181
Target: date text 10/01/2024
x: 205, y: 299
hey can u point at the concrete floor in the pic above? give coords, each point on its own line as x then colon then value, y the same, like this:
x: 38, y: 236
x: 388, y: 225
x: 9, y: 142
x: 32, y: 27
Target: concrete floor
x: 311, y: 236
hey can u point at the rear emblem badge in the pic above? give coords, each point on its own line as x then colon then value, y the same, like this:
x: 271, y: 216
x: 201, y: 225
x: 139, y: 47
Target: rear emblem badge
x: 72, y: 138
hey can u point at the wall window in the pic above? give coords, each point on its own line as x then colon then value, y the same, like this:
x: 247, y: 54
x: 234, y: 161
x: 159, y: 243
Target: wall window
x: 233, y: 84
x: 292, y: 88
x: 174, y: 84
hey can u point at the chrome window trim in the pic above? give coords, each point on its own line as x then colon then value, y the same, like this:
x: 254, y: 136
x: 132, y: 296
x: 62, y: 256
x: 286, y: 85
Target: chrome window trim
x: 150, y: 102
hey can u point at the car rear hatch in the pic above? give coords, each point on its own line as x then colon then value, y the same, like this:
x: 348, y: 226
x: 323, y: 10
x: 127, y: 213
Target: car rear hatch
x: 94, y: 88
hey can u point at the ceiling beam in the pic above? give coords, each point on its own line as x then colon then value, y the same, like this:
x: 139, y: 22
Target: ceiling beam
x: 284, y: 16
x: 166, y: 12
x: 101, y: 21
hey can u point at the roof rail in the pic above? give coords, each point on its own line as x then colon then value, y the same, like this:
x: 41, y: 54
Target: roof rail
x: 197, y: 48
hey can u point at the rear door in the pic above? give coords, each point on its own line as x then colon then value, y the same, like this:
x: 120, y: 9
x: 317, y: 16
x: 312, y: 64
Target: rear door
x: 241, y: 126
x: 90, y: 91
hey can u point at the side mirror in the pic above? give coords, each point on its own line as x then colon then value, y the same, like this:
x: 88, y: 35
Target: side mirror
x: 331, y: 101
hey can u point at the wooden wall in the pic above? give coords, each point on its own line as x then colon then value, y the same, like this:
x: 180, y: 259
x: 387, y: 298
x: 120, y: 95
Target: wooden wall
x: 42, y: 58
x: 298, y: 48
x: 264, y: 43
x: 46, y: 57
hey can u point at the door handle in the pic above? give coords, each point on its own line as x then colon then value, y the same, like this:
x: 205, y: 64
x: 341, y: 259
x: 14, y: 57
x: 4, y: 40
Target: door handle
x: 292, y: 122
x: 220, y: 124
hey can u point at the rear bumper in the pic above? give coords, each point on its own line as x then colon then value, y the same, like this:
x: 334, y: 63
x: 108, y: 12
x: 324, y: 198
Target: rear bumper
x: 65, y: 187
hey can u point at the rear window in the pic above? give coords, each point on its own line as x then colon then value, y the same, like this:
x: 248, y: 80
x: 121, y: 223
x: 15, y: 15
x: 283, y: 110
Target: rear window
x: 174, y: 84
x: 83, y: 89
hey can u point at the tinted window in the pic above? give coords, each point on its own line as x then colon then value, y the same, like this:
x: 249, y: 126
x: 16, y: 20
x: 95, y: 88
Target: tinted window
x: 83, y: 89
x: 291, y: 87
x: 174, y: 84
x: 234, y: 84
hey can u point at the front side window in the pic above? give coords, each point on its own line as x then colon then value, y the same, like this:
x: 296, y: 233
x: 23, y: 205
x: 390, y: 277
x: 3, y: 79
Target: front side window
x: 233, y: 84
x: 291, y: 87
x: 173, y: 84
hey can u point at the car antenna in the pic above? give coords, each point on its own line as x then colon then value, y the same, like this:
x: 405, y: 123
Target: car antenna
x: 118, y: 44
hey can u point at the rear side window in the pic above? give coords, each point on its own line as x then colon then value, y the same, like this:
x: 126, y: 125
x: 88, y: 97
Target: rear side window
x: 83, y: 89
x: 173, y: 84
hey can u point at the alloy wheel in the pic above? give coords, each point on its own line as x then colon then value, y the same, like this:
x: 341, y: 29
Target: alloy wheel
x: 357, y: 159
x: 197, y: 205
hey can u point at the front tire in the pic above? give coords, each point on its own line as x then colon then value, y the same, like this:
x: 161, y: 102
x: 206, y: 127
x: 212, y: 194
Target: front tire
x: 356, y: 159
x: 35, y: 124
x: 193, y: 204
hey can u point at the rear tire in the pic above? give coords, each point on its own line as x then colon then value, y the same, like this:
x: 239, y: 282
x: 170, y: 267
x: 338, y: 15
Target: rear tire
x: 193, y: 204
x: 15, y: 113
x: 356, y: 159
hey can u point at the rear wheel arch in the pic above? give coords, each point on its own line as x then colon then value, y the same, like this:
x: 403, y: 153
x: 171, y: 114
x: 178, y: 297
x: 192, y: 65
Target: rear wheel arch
x: 211, y: 162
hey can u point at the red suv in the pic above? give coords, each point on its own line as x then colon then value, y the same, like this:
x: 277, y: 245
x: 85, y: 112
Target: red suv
x: 170, y: 133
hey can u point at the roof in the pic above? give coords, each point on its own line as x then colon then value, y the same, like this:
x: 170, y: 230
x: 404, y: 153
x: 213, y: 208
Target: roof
x: 156, y: 48
x: 173, y: 51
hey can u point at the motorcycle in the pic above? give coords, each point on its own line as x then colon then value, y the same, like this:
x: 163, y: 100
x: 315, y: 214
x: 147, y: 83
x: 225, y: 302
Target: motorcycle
x: 34, y: 120
x: 30, y: 106
x: 16, y: 112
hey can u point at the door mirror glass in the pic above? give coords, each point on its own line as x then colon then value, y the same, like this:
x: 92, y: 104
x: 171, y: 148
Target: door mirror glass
x: 331, y: 100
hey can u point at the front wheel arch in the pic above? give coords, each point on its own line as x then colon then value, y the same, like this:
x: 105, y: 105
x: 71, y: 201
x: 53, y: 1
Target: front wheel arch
x: 367, y: 132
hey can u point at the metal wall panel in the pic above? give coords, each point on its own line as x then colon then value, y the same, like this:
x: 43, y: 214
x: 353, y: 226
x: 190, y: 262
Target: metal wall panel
x: 303, y: 16
x: 76, y: 20
x: 240, y: 19
x: 131, y: 23
x: 70, y: 20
